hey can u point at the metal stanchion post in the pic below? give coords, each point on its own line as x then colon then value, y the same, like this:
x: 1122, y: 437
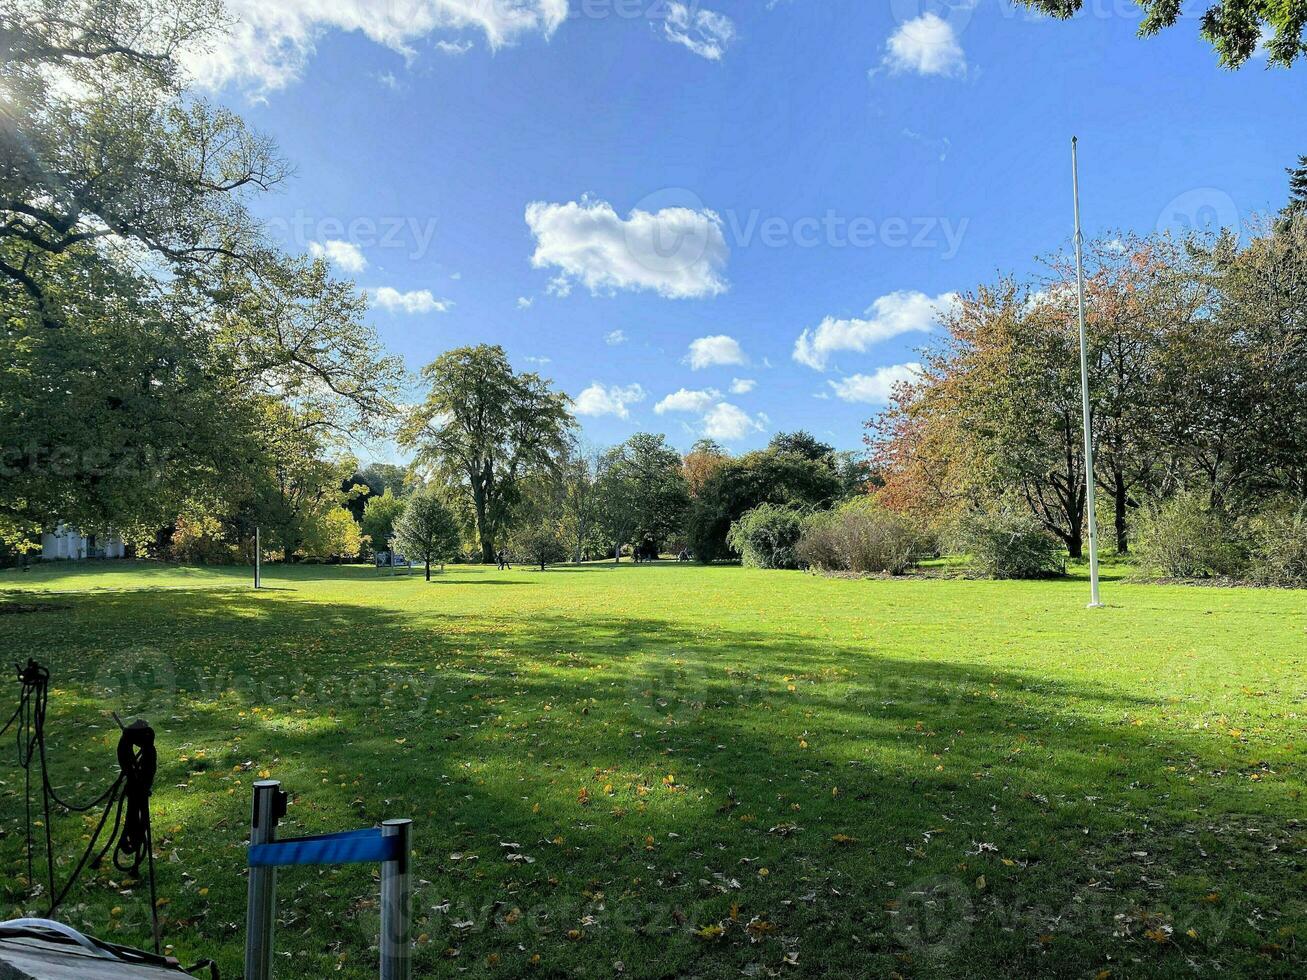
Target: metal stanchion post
x: 269, y: 807
x: 396, y: 894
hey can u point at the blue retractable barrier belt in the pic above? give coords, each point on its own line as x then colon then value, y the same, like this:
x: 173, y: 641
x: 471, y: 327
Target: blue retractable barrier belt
x: 348, y: 847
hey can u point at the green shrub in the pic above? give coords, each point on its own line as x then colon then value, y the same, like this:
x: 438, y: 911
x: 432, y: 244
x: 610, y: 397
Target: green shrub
x: 766, y: 536
x: 1185, y: 537
x: 860, y: 536
x: 1010, y: 545
x: 1278, y: 539
x: 201, y: 539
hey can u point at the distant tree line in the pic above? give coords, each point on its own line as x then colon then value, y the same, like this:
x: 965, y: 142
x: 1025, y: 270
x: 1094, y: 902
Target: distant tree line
x: 1198, y: 355
x: 503, y: 447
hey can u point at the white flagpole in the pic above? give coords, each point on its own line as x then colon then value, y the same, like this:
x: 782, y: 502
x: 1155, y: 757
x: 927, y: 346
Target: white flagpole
x: 1095, y: 602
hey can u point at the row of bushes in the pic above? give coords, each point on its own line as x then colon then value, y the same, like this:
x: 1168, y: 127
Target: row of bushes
x: 1187, y: 537
x: 1183, y: 537
x: 865, y: 537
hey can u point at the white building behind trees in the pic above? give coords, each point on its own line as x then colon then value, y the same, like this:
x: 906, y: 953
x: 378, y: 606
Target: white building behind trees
x: 67, y: 544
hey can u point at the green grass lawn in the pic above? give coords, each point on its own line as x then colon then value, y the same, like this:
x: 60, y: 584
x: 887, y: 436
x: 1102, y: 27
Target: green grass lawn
x: 665, y: 771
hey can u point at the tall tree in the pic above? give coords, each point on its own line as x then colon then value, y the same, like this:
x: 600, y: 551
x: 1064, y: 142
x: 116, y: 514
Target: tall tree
x: 100, y: 139
x: 1236, y: 28
x: 579, y: 475
x: 805, y: 444
x: 296, y: 483
x: 116, y: 419
x: 427, y: 530
x: 379, y: 516
x: 644, y: 495
x: 1297, y: 189
x: 768, y: 476
x: 144, y: 310
x: 998, y: 406
x: 703, y: 459
x: 1262, y: 314
x: 539, y: 527
x: 485, y: 428
x: 1141, y: 295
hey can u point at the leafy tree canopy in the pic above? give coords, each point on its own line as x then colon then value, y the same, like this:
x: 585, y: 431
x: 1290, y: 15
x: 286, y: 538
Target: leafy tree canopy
x: 427, y: 529
x: 1234, y: 27
x: 485, y: 428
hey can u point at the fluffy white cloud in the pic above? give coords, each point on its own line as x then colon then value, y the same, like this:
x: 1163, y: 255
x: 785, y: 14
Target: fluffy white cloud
x: 344, y: 255
x: 927, y: 45
x: 742, y: 386
x: 704, y: 32
x: 728, y: 423
x: 615, y: 337
x: 677, y: 252
x: 712, y: 351
x: 415, y: 301
x: 524, y: 302
x: 876, y: 387
x: 271, y: 41
x: 686, y: 400
x: 906, y: 311
x: 599, y: 399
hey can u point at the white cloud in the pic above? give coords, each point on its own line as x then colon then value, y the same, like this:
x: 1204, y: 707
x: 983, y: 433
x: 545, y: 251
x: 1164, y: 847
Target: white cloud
x: 677, y: 252
x: 728, y: 423
x: 927, y: 45
x: 742, y: 386
x: 686, y: 400
x: 601, y: 400
x: 711, y: 351
x: 344, y: 255
x: 454, y: 47
x: 524, y: 302
x: 876, y: 387
x: 719, y: 419
x: 415, y: 301
x: 905, y: 311
x: 615, y: 337
x: 271, y: 41
x: 704, y: 32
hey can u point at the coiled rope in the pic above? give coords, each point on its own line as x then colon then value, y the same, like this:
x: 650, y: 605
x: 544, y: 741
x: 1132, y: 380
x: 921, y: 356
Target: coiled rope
x: 127, y: 798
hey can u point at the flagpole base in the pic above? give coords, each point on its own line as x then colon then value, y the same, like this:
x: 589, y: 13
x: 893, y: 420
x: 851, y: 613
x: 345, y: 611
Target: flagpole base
x: 1096, y: 605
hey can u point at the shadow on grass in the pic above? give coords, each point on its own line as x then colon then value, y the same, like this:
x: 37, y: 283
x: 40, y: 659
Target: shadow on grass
x: 921, y: 815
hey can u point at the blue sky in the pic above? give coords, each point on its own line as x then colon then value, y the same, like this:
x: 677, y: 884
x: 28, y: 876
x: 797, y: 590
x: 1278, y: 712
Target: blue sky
x: 752, y: 207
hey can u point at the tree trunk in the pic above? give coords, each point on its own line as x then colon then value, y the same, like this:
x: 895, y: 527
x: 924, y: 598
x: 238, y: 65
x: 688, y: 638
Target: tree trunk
x: 483, y: 531
x: 1075, y: 544
x: 428, y: 569
x: 617, y: 554
x: 1119, y: 496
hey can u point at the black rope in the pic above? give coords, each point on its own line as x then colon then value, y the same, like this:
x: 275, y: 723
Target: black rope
x: 127, y: 798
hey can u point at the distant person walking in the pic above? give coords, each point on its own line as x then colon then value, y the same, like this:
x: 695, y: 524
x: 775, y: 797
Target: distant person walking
x: 503, y: 560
